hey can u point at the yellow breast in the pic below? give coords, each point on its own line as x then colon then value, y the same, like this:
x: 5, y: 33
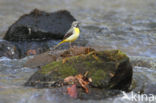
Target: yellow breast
x: 74, y: 36
x: 77, y: 31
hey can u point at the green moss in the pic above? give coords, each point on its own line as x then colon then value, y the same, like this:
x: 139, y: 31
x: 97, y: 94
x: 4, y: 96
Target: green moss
x: 67, y: 70
x: 87, y: 63
x: 62, y: 70
x: 111, y: 55
x: 49, y: 67
x: 115, y: 55
x: 97, y: 76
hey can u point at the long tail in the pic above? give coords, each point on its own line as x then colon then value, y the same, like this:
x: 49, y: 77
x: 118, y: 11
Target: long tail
x: 59, y: 44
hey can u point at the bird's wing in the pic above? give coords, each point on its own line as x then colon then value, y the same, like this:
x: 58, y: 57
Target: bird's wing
x: 68, y: 34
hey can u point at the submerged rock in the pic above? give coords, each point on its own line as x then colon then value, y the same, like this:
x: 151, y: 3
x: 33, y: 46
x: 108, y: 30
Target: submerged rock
x: 27, y: 48
x: 8, y: 50
x: 40, y: 25
x: 107, y: 69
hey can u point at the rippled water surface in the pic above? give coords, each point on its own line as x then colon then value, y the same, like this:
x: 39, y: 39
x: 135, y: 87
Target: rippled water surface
x: 129, y: 25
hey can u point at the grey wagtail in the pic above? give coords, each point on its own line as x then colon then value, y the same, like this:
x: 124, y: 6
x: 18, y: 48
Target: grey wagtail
x: 71, y: 35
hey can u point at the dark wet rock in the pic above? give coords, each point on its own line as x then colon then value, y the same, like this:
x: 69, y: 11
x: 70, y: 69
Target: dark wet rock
x: 108, y: 70
x: 40, y: 25
x: 27, y: 48
x: 38, y: 31
x: 8, y: 50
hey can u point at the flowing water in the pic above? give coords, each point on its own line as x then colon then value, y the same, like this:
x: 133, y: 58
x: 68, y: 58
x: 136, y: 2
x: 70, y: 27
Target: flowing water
x: 129, y: 25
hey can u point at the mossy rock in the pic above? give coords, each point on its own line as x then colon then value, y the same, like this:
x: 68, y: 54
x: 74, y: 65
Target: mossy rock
x: 108, y: 69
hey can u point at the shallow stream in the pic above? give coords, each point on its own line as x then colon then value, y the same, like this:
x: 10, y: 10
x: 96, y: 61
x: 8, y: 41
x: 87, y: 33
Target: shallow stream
x: 129, y: 25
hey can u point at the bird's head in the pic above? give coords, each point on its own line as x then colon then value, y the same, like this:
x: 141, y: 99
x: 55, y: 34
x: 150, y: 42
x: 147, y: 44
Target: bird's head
x: 75, y: 24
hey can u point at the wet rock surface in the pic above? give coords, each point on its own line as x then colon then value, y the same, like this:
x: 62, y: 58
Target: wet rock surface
x: 40, y: 25
x: 50, y: 56
x: 108, y: 70
x: 27, y: 48
x: 38, y: 31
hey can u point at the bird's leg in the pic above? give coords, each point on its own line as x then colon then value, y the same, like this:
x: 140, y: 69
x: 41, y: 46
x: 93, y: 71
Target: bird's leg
x: 70, y: 45
x: 70, y: 48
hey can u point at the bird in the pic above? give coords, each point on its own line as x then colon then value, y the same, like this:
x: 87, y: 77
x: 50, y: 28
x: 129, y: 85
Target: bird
x: 71, y: 35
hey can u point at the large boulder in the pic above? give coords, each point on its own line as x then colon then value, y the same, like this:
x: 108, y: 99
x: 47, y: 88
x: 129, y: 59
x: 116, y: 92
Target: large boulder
x: 107, y: 69
x: 40, y: 25
x: 38, y: 31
